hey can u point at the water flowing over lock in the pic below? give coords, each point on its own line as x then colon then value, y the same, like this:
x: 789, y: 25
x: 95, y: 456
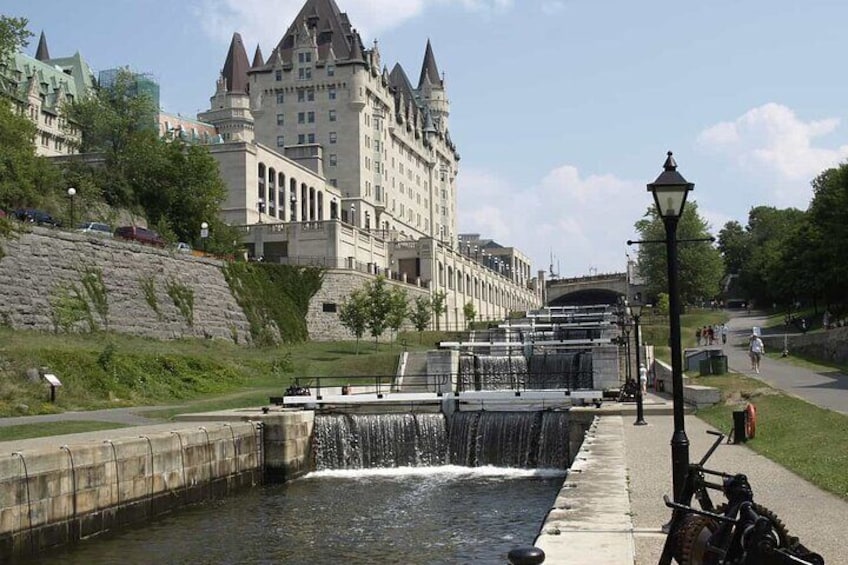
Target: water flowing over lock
x: 547, y: 370
x: 471, y: 439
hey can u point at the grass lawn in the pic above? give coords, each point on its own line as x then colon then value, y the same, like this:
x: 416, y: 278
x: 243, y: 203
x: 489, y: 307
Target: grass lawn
x: 25, y: 431
x: 806, y: 439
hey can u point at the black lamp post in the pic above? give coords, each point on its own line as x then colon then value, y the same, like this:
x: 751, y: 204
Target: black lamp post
x: 204, y: 234
x: 293, y: 201
x: 71, y: 193
x: 636, y: 312
x: 261, y: 206
x: 670, y: 190
x: 334, y: 208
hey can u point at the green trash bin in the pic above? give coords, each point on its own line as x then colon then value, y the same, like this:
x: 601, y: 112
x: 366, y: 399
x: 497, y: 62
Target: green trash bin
x: 718, y: 364
x: 705, y: 367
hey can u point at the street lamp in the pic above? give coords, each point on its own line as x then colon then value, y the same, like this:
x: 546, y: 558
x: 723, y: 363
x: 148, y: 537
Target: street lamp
x: 293, y: 202
x: 353, y: 214
x: 71, y: 193
x: 636, y: 312
x: 204, y: 233
x: 334, y: 208
x: 261, y: 206
x: 670, y: 190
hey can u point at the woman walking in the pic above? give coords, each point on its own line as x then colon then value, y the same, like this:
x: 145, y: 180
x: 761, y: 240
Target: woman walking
x: 756, y: 350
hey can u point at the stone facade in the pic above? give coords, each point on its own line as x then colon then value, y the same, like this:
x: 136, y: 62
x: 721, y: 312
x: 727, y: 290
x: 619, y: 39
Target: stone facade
x: 37, y: 264
x: 828, y: 347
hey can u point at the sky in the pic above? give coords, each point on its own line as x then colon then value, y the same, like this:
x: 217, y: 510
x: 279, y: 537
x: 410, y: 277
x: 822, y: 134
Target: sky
x: 562, y: 110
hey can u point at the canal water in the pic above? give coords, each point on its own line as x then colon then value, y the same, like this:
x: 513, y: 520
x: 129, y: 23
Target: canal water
x: 409, y: 515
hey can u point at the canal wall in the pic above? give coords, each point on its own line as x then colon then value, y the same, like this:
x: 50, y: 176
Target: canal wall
x: 51, y: 495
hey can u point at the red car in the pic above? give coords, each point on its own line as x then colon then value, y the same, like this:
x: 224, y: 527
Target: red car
x: 141, y: 235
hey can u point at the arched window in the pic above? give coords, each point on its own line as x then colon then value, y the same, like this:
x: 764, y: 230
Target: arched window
x: 450, y: 278
x: 261, y: 185
x: 281, y: 197
x: 441, y: 273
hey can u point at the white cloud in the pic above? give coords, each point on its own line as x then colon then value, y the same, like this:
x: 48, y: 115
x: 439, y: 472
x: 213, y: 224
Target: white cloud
x: 265, y: 21
x: 771, y: 139
x: 552, y: 7
x: 583, y: 221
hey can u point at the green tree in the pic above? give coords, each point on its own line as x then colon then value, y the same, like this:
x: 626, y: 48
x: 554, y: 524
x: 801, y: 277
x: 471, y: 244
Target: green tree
x: 734, y: 245
x: 829, y: 217
x: 469, y: 312
x: 421, y: 314
x: 439, y: 306
x: 398, y: 309
x: 700, y: 264
x: 14, y: 36
x: 379, y: 306
x: 353, y: 314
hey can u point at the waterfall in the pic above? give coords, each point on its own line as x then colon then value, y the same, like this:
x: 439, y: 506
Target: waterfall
x: 524, y: 440
x: 363, y: 441
x: 492, y: 372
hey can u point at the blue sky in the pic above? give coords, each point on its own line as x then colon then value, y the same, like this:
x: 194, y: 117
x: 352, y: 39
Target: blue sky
x: 562, y: 110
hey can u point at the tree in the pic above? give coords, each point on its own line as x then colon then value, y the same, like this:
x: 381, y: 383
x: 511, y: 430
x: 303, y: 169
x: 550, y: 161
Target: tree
x: 734, y: 245
x: 14, y: 36
x: 469, y: 312
x: 828, y: 216
x: 700, y: 264
x: 379, y: 306
x: 398, y: 309
x: 353, y: 314
x: 439, y: 306
x: 421, y: 314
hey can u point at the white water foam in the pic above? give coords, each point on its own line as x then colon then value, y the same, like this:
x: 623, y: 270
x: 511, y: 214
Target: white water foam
x: 441, y: 472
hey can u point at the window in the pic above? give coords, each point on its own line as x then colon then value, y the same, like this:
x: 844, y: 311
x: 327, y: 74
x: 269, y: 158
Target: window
x: 310, y: 138
x: 310, y: 117
x: 331, y: 70
x: 301, y: 138
x: 280, y: 98
x: 332, y: 137
x: 301, y: 117
x: 334, y: 159
x: 329, y: 307
x: 304, y: 73
x: 281, y: 141
x: 301, y: 96
x: 278, y: 75
x: 332, y: 115
x: 310, y: 95
x: 281, y: 119
x: 334, y: 182
x: 331, y: 93
x: 304, y: 57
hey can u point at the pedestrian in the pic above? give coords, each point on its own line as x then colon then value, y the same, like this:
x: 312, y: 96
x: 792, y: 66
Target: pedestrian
x: 643, y: 378
x: 724, y: 334
x: 710, y: 335
x: 697, y: 336
x: 756, y: 350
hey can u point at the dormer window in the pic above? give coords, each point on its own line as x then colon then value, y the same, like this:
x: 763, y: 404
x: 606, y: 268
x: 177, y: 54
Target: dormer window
x: 304, y: 57
x: 331, y: 70
x: 278, y: 75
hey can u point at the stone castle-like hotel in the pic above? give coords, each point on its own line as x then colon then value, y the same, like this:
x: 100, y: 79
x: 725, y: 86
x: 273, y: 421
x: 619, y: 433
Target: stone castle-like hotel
x: 332, y: 159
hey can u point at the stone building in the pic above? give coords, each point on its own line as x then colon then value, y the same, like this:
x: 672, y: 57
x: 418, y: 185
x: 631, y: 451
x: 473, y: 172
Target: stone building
x: 332, y: 159
x: 39, y: 86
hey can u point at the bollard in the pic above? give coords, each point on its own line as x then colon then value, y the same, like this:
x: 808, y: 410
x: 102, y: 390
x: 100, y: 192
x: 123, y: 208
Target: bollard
x: 527, y: 555
x: 739, y: 434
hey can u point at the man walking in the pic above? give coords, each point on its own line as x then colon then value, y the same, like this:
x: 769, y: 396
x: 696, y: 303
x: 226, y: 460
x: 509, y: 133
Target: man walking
x: 756, y: 350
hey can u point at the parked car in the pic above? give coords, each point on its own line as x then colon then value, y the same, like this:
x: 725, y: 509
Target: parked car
x: 183, y: 247
x: 34, y: 216
x: 95, y: 228
x: 141, y: 235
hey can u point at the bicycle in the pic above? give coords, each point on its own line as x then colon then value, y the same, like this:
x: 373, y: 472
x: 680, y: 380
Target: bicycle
x: 738, y: 532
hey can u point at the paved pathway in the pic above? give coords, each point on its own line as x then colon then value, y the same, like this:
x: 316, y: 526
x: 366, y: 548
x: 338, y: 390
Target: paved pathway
x: 826, y: 388
x: 127, y: 416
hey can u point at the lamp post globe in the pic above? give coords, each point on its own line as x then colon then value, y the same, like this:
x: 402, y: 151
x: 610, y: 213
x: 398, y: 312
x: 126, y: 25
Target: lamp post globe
x: 670, y: 190
x: 71, y: 193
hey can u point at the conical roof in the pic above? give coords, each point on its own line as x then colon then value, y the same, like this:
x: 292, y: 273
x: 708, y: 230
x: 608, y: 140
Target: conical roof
x: 331, y: 26
x: 236, y: 66
x: 258, y: 61
x: 41, y: 53
x: 429, y: 70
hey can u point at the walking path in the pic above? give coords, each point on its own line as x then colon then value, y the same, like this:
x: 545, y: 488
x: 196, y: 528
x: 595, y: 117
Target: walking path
x: 825, y: 387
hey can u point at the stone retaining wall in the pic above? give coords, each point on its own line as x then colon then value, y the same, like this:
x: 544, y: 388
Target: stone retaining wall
x: 829, y: 347
x: 40, y: 262
x: 50, y: 496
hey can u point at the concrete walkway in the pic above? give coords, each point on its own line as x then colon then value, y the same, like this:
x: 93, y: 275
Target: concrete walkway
x: 826, y: 388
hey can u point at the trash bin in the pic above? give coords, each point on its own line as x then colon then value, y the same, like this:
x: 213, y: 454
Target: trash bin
x: 739, y: 421
x: 705, y: 367
x: 718, y: 364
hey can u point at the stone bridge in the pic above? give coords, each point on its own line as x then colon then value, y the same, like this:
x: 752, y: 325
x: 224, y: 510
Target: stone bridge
x: 593, y: 289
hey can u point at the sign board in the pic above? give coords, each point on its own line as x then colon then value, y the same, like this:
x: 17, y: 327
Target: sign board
x: 52, y: 379
x: 204, y: 233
